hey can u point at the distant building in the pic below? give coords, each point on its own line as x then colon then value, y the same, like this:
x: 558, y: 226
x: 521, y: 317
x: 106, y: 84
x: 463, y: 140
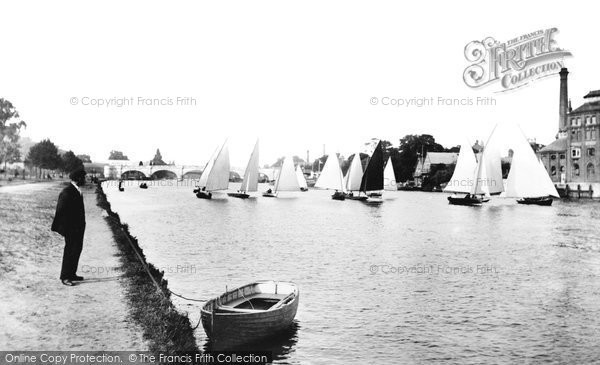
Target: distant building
x: 571, y: 160
x: 424, y: 165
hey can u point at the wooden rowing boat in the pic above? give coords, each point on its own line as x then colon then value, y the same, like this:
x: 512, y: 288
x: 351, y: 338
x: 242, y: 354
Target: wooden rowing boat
x: 251, y: 312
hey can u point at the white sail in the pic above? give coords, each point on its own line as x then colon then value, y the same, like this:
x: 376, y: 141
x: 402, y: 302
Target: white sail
x: 331, y: 177
x: 287, y: 180
x: 354, y: 174
x: 250, y: 182
x: 217, y: 176
x: 389, y: 177
x: 466, y: 164
x: 207, y: 168
x: 527, y: 177
x: 301, y: 178
x: 488, y: 176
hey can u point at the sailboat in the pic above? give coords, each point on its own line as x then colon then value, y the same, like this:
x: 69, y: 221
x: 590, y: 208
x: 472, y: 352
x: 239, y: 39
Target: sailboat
x: 487, y: 178
x: 250, y: 181
x: 372, y: 180
x: 286, y: 180
x: 301, y: 178
x: 331, y: 178
x: 389, y: 177
x: 215, y: 175
x: 353, y: 179
x: 527, y: 178
x: 462, y: 178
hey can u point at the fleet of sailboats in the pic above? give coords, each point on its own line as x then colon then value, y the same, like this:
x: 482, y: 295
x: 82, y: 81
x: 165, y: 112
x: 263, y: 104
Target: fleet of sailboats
x: 477, y: 176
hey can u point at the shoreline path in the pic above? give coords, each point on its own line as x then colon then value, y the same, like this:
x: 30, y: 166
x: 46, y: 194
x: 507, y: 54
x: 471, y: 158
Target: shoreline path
x: 37, y: 311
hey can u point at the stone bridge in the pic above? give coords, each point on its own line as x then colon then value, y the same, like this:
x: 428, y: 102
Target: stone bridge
x: 125, y: 171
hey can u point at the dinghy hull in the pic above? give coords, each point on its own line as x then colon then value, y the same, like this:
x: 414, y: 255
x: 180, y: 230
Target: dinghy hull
x: 544, y: 201
x: 250, y: 313
x: 465, y: 201
x: 204, y: 195
x: 338, y: 196
x: 357, y: 197
x: 239, y: 195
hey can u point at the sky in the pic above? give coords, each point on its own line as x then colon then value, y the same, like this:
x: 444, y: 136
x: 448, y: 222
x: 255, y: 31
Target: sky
x: 297, y: 75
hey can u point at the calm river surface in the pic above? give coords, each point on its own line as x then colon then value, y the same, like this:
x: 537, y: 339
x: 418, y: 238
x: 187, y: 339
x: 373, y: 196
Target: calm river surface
x: 412, y: 280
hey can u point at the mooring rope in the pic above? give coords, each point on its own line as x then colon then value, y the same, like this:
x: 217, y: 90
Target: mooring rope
x: 158, y: 287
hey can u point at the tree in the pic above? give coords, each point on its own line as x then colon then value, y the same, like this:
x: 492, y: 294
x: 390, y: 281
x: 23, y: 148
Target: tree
x: 70, y: 162
x: 12, y: 154
x: 157, y: 160
x: 84, y: 158
x: 44, y: 155
x: 412, y: 147
x: 10, y: 128
x: 117, y: 155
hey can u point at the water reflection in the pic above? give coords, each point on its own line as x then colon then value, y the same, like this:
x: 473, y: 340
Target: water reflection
x: 280, y: 345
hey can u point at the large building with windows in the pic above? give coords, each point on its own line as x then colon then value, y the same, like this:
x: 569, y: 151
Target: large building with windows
x: 572, y: 160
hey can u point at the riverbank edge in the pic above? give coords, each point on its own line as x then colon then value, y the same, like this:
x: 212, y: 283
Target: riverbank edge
x: 167, y: 330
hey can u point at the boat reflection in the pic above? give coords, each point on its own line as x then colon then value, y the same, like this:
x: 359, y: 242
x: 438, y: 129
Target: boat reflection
x: 280, y: 345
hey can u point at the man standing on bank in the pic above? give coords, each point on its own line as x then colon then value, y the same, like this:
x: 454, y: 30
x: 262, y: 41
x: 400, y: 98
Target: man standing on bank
x: 69, y: 222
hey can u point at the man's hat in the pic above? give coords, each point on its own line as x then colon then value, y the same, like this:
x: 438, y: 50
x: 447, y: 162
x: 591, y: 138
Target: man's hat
x: 76, y: 174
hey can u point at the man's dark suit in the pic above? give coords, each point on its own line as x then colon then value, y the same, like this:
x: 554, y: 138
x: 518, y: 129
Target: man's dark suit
x: 69, y: 221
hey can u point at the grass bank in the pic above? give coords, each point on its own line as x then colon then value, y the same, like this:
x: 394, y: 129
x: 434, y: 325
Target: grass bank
x: 166, y: 329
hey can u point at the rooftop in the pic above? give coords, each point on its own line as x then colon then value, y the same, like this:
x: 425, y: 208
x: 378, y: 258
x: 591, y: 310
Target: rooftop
x: 587, y: 107
x: 447, y: 158
x: 592, y: 94
x: 559, y: 145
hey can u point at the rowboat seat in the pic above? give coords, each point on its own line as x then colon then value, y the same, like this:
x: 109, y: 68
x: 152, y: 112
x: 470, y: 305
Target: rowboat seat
x: 258, y: 301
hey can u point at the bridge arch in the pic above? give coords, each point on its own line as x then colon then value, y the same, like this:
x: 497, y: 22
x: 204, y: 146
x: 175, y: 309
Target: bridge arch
x: 192, y: 174
x: 163, y: 174
x: 133, y: 175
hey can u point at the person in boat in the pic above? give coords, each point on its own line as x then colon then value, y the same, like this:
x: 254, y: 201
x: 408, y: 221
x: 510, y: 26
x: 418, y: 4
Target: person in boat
x: 204, y: 188
x: 269, y: 191
x: 351, y: 194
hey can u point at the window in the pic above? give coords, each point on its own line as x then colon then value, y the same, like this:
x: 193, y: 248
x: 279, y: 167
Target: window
x: 575, y: 169
x: 588, y: 120
x: 562, y: 169
x: 553, y: 157
x: 593, y: 119
x: 553, y: 170
x: 593, y: 134
x: 591, y: 152
x: 575, y: 152
x: 590, y: 171
x: 573, y: 121
x: 588, y: 134
x: 562, y: 156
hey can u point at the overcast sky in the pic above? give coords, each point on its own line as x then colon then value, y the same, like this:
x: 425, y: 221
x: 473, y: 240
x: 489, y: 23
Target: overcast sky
x: 297, y: 75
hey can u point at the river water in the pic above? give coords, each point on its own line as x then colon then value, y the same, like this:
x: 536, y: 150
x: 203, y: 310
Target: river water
x: 411, y: 280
